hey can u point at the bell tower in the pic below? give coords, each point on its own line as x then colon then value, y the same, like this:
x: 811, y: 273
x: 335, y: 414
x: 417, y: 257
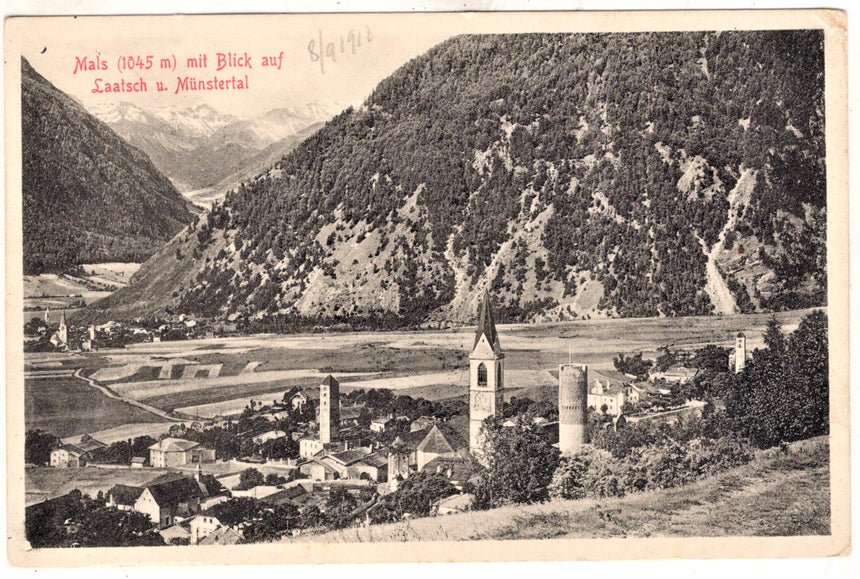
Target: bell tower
x: 486, y: 374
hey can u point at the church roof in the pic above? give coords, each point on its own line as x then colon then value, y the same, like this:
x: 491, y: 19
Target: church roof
x: 435, y: 442
x: 486, y: 324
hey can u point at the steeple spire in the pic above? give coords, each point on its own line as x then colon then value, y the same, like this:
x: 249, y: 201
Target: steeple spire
x: 486, y: 324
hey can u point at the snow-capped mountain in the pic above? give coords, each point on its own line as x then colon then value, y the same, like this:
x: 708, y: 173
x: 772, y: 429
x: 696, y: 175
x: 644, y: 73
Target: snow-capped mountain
x: 205, y: 152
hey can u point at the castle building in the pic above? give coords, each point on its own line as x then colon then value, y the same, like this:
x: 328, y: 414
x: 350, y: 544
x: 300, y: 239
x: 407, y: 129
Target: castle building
x: 329, y: 410
x: 572, y: 407
x: 486, y: 374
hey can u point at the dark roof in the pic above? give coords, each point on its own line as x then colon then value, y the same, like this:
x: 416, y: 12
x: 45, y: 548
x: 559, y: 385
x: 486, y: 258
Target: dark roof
x: 330, y: 381
x: 308, y: 394
x: 459, y: 469
x: 285, y: 495
x: 175, y: 491
x: 486, y: 325
x: 125, y: 494
x: 456, y: 430
x: 410, y: 440
x: 436, y: 442
x: 90, y: 445
x: 348, y: 457
x: 375, y: 459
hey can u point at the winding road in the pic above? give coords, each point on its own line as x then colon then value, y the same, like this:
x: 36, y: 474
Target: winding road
x: 107, y: 392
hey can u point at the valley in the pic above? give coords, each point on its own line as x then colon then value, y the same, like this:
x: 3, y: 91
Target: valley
x: 206, y: 378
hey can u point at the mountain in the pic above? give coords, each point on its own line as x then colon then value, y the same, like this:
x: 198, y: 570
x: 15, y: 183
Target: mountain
x: 88, y: 196
x: 658, y: 174
x: 206, y: 153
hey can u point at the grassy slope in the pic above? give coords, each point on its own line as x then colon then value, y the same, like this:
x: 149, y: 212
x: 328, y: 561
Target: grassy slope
x: 778, y: 494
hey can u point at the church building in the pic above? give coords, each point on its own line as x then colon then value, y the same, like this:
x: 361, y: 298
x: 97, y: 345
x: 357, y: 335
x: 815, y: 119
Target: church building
x: 486, y: 374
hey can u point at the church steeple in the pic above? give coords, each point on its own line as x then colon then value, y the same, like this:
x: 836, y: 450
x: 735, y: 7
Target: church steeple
x: 486, y: 374
x: 487, y: 326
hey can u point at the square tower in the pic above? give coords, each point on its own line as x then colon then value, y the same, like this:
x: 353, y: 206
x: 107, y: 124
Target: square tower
x: 486, y: 375
x: 329, y: 410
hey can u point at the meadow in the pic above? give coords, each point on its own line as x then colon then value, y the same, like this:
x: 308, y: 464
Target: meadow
x: 66, y: 406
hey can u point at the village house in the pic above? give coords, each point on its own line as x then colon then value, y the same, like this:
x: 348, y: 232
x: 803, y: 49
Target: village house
x: 205, y: 529
x: 380, y: 424
x: 302, y: 397
x: 172, y: 452
x: 270, y: 435
x: 164, y: 502
x: 75, y: 455
x: 675, y: 375
x: 612, y: 389
x: 349, y: 415
x: 354, y: 464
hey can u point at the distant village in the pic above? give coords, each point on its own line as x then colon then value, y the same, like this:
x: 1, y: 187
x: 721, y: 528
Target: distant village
x: 315, y: 452
x: 52, y: 333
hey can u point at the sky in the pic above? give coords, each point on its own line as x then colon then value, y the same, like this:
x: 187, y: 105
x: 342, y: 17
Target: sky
x: 358, y: 52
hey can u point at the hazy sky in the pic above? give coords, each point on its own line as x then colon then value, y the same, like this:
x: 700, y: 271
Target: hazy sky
x: 363, y: 49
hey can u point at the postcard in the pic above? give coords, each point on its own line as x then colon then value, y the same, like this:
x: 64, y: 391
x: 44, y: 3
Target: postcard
x: 426, y: 287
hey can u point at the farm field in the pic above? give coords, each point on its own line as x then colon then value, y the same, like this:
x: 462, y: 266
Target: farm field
x: 66, y: 406
x: 429, y: 363
x: 59, y: 292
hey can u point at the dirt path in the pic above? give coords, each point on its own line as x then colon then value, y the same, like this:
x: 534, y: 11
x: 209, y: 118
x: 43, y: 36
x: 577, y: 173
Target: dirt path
x: 141, y: 405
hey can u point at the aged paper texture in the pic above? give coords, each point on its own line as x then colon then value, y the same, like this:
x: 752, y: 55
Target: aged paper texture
x: 513, y: 286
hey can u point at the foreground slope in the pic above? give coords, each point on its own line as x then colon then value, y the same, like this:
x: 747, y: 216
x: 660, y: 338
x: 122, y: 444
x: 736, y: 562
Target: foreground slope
x: 778, y: 494
x: 88, y: 196
x: 573, y: 175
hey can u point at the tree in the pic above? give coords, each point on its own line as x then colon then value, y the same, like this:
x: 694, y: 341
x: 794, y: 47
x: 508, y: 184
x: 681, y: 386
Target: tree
x: 783, y: 395
x: 250, y: 478
x: 774, y: 338
x: 518, y: 463
x: 38, y: 446
x: 235, y: 511
x: 633, y: 365
x: 339, y: 507
x: 109, y: 527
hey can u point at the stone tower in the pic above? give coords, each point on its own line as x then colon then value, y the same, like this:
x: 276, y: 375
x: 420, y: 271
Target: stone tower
x: 486, y: 374
x: 572, y: 407
x: 329, y: 410
x: 740, y: 352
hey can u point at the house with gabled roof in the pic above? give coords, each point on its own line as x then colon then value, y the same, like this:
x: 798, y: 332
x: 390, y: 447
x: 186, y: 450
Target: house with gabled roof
x: 77, y: 454
x: 164, y: 501
x: 171, y: 452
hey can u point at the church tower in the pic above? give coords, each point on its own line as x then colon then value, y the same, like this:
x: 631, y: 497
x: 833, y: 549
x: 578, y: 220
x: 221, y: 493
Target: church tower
x: 329, y: 410
x: 740, y: 352
x: 486, y: 374
x: 63, y: 331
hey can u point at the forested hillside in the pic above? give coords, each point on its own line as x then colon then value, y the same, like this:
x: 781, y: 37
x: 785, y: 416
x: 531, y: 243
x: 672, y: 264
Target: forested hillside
x: 575, y: 175
x: 87, y: 195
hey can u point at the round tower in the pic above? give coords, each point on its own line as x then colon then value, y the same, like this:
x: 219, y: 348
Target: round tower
x: 572, y: 407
